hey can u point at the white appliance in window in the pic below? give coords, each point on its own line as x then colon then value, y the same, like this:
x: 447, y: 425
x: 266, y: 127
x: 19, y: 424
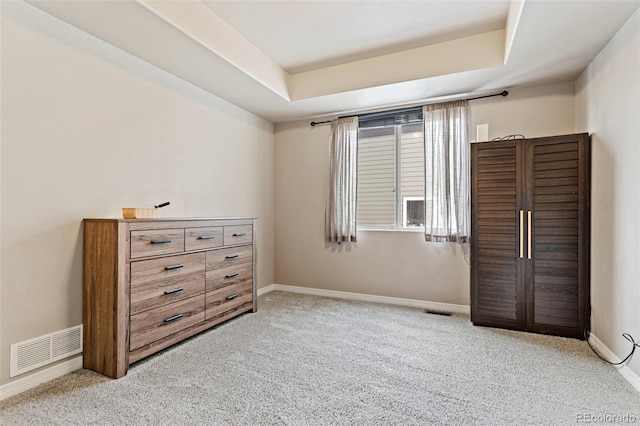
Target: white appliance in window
x: 412, y: 211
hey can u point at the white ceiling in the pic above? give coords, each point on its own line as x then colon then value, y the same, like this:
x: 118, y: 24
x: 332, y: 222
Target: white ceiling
x: 305, y: 35
x: 287, y: 60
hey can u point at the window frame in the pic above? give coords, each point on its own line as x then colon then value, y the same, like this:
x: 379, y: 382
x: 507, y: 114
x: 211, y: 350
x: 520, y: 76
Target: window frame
x: 409, y: 117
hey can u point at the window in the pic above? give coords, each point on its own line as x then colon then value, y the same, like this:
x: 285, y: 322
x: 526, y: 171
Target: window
x: 393, y: 173
x: 391, y: 170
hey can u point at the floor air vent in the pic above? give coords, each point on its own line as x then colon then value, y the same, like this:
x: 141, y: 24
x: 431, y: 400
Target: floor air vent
x: 34, y: 353
x: 446, y: 314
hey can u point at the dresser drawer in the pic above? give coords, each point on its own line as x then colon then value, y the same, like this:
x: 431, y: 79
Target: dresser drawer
x: 229, y: 257
x: 238, y: 234
x: 156, y: 282
x: 228, y: 276
x: 227, y: 298
x: 153, y: 243
x: 203, y: 238
x: 154, y: 286
x: 154, y: 324
x: 166, y: 268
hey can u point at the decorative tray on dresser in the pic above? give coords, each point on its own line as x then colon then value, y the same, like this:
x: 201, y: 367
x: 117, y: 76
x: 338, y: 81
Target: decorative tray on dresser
x: 150, y: 283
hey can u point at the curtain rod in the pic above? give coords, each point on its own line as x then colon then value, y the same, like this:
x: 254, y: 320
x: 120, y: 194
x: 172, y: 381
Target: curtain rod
x: 503, y: 94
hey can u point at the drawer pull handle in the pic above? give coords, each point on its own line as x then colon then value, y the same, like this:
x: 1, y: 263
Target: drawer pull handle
x: 173, y: 318
x: 206, y: 237
x: 160, y: 241
x: 175, y: 290
x: 233, y: 256
x: 239, y: 234
x: 231, y: 275
x: 172, y: 267
x: 233, y: 296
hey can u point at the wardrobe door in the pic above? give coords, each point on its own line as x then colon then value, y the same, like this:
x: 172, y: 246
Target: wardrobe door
x: 557, y: 252
x: 497, y: 279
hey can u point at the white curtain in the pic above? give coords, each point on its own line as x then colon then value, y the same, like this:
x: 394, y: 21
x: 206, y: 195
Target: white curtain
x: 340, y: 213
x: 447, y: 172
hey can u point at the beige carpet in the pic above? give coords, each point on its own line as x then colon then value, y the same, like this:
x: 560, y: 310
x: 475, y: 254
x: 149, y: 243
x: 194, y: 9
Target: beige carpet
x: 306, y: 360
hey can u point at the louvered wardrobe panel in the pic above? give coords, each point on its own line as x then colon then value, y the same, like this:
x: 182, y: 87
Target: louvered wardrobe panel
x: 498, y: 293
x: 530, y: 234
x: 558, y: 187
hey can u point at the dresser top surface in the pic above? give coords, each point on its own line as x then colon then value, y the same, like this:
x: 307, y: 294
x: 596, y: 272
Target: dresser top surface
x: 170, y: 219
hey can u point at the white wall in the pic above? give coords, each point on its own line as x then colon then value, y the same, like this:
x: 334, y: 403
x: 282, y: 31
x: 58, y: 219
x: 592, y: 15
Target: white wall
x: 88, y: 129
x: 394, y: 264
x: 608, y: 106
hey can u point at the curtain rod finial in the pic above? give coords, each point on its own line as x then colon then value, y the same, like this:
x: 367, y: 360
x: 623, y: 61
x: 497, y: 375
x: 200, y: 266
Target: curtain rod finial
x: 315, y: 123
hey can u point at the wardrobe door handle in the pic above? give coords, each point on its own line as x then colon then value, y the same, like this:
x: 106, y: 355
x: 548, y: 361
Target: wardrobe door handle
x: 521, y: 234
x: 529, y: 236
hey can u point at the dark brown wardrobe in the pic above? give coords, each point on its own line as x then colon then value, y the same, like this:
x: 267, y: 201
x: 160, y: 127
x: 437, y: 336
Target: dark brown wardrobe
x: 530, y: 234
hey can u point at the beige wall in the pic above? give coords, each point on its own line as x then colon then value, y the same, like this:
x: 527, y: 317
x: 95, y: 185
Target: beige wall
x: 395, y: 264
x: 536, y: 111
x: 608, y: 106
x: 88, y: 129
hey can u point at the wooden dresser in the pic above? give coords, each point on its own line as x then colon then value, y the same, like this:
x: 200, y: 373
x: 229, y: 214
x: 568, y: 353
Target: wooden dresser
x: 150, y: 283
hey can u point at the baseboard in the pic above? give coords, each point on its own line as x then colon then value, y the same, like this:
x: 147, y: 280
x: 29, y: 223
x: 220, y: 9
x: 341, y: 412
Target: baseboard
x: 32, y: 380
x: 606, y: 353
x: 423, y: 304
x: 266, y: 289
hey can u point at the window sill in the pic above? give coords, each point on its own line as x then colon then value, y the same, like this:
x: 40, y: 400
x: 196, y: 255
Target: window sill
x: 372, y: 229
